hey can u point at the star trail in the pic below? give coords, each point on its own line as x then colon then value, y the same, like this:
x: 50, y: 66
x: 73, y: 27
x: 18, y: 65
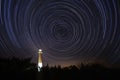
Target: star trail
x: 68, y: 31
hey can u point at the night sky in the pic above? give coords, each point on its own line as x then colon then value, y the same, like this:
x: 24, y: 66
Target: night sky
x: 68, y: 31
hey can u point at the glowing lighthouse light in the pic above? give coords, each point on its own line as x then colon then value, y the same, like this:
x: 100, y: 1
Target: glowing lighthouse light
x: 39, y: 59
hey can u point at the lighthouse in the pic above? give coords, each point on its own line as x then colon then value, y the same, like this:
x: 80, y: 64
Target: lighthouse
x: 39, y: 59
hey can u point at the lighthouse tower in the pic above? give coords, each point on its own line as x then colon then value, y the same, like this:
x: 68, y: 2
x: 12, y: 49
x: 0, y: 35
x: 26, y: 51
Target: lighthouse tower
x: 39, y: 59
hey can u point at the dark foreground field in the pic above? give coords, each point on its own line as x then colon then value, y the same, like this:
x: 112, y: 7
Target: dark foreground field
x: 15, y: 69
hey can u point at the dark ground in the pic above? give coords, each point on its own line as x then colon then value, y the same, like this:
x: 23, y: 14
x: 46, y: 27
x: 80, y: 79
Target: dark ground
x: 16, y: 69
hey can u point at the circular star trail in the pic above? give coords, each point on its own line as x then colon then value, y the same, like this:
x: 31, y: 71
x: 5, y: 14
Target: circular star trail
x: 66, y: 30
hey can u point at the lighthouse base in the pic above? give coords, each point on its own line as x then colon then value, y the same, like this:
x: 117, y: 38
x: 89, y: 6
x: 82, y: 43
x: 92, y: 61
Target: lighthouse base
x: 39, y: 66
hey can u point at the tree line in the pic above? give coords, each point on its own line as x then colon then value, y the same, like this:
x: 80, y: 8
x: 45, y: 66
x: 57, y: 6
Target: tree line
x: 24, y: 69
